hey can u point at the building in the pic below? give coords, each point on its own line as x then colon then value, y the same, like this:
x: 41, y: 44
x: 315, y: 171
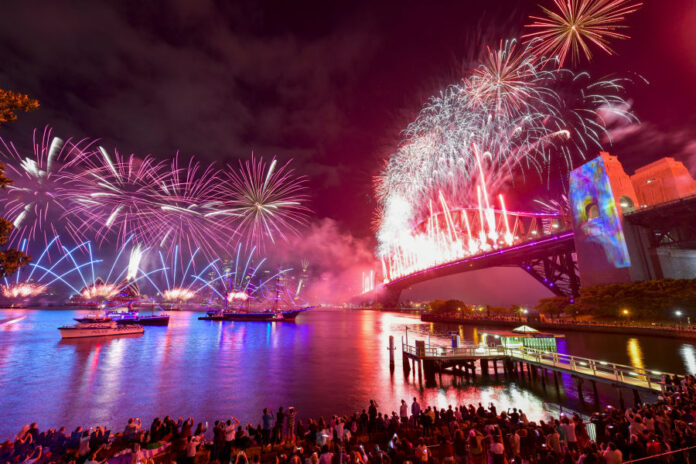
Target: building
x: 633, y: 228
x: 662, y: 181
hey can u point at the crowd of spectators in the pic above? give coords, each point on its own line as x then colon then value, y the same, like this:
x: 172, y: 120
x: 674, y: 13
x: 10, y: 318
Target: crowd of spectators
x: 664, y: 431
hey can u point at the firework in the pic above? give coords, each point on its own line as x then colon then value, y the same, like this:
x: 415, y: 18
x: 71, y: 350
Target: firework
x: 267, y: 201
x: 512, y: 115
x: 162, y: 204
x: 120, y: 282
x: 575, y: 25
x: 23, y: 290
x: 243, y: 278
x: 39, y: 196
x: 178, y: 279
x: 40, y: 277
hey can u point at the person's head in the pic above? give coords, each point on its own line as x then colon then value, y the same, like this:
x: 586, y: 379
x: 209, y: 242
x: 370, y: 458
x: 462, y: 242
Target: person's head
x: 612, y: 446
x: 414, y: 399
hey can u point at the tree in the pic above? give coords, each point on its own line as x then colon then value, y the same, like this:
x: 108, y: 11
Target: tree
x: 553, y: 306
x: 11, y: 102
x: 10, y: 260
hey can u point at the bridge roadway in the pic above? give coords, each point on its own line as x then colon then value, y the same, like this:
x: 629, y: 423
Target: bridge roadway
x: 617, y: 375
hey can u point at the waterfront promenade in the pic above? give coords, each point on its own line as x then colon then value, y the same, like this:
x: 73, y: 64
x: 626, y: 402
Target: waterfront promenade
x: 614, y: 327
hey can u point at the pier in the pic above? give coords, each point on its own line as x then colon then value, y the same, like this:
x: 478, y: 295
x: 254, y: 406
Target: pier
x: 534, y: 363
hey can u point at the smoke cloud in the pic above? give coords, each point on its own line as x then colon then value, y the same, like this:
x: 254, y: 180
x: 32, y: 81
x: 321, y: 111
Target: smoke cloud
x: 336, y: 258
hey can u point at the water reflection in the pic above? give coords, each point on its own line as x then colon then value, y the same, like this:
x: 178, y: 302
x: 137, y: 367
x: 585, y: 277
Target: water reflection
x: 327, y: 362
x: 688, y: 355
x: 635, y: 353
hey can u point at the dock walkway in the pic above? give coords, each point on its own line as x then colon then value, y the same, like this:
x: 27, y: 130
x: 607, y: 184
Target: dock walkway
x: 436, y: 359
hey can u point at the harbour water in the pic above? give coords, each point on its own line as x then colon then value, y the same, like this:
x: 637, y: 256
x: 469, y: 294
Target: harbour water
x: 329, y: 361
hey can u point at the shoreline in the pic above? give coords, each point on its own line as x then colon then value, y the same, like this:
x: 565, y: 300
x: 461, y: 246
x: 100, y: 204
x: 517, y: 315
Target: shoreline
x: 668, y: 332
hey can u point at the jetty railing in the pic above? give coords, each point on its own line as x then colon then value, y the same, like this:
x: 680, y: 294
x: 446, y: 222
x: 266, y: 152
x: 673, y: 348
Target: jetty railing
x: 619, y: 372
x: 467, y: 351
x: 588, y: 367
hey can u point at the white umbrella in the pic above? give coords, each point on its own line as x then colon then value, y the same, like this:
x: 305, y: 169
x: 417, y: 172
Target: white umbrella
x: 525, y: 329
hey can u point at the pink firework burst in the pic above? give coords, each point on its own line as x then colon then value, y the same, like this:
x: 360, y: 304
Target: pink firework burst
x: 38, y: 200
x: 162, y: 204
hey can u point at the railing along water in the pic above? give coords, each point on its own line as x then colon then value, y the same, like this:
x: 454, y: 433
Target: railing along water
x: 595, y: 369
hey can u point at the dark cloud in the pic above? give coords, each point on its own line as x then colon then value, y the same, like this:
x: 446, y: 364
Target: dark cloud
x: 328, y: 83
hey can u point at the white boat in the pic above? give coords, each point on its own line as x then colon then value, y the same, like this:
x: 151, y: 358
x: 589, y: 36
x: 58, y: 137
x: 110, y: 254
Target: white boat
x: 99, y: 329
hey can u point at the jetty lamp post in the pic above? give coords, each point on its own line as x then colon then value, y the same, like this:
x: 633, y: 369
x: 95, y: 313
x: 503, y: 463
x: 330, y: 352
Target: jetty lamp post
x: 678, y: 313
x: 625, y: 312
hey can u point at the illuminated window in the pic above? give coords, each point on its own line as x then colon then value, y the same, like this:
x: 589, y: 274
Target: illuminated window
x: 626, y: 204
x: 592, y: 211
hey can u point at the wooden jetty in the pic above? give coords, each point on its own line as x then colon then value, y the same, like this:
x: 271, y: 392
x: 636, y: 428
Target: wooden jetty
x: 434, y: 360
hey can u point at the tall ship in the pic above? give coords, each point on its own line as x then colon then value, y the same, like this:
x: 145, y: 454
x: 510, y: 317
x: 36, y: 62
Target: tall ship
x: 281, y: 306
x: 99, y: 329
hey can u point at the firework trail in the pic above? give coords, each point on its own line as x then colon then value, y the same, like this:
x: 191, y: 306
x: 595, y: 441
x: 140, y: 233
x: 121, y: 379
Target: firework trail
x: 242, y: 279
x: 39, y: 197
x: 178, y: 280
x: 512, y: 115
x: 40, y: 277
x: 267, y: 201
x: 575, y: 25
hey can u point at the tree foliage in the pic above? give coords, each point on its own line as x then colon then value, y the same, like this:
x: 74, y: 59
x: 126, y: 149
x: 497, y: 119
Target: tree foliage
x: 650, y: 299
x: 12, y: 102
x: 553, y: 306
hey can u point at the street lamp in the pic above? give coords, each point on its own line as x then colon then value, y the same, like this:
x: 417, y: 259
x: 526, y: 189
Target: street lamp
x: 678, y: 313
x: 625, y: 313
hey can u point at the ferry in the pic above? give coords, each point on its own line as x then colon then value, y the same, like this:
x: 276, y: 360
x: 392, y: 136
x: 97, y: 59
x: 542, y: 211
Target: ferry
x: 99, y: 329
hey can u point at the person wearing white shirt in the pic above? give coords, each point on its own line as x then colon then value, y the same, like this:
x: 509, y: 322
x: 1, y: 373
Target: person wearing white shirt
x: 403, y: 412
x: 612, y: 455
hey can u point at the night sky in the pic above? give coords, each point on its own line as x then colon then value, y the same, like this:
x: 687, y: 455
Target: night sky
x: 329, y: 84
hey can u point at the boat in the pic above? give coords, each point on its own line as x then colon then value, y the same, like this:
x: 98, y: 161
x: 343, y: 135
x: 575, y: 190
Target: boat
x: 99, y: 329
x: 245, y: 312
x: 133, y: 317
x: 127, y: 317
x: 93, y: 318
x: 269, y: 315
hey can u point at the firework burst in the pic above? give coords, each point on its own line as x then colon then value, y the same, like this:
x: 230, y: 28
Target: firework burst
x: 266, y: 200
x: 512, y: 115
x: 575, y: 25
x: 162, y: 204
x: 39, y: 197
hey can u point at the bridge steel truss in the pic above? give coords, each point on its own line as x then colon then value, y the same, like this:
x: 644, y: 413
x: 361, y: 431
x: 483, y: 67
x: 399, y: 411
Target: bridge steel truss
x: 550, y: 260
x: 557, y: 271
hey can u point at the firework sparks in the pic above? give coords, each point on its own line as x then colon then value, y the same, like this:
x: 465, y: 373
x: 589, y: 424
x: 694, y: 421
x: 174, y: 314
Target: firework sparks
x: 512, y: 115
x: 575, y: 25
x: 22, y: 290
x: 266, y: 200
x: 38, y: 198
x: 178, y: 294
x: 162, y: 204
x: 40, y: 277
